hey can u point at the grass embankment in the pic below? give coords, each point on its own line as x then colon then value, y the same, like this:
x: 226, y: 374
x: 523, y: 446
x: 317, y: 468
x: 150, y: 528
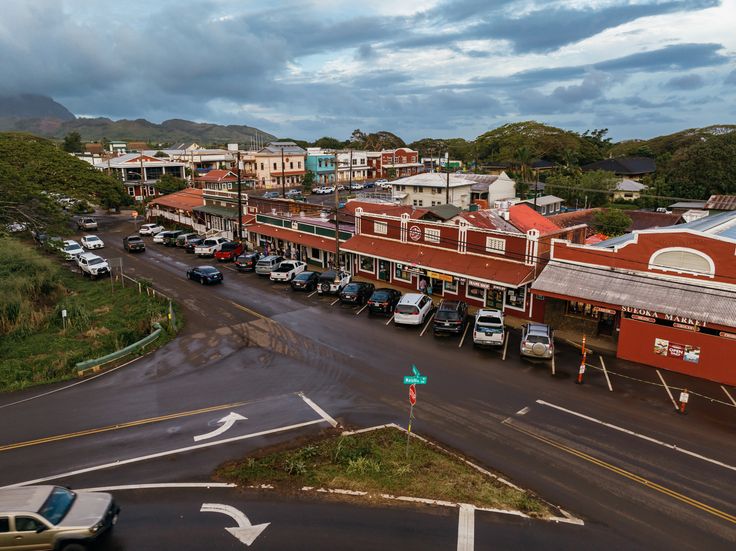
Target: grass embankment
x: 376, y: 462
x: 34, y: 346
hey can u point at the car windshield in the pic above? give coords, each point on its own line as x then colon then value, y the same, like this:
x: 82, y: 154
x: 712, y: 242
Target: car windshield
x: 71, y: 247
x: 304, y: 275
x: 210, y: 242
x: 208, y: 270
x: 537, y: 338
x: 489, y: 320
x: 407, y: 309
x: 94, y: 261
x: 134, y: 239
x: 57, y: 505
x: 444, y: 315
x: 380, y: 295
x: 92, y: 238
x: 352, y: 288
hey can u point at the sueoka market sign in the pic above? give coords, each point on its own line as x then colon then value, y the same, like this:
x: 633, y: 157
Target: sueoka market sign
x: 636, y: 313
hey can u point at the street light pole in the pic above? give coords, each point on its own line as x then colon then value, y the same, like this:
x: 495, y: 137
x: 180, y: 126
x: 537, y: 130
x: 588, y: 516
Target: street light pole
x: 283, y: 178
x: 337, y: 223
x: 240, y: 202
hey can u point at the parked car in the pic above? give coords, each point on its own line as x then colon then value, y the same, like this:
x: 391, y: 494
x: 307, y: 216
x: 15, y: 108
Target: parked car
x: 93, y: 265
x: 150, y: 229
x: 205, y: 274
x: 356, y: 186
x: 537, y: 341
x: 170, y: 237
x: 287, y: 270
x: 91, y: 242
x: 488, y: 329
x: 305, y: 281
x: 134, y: 243
x: 332, y: 282
x: 87, y: 223
x: 184, y: 238
x: 52, y: 517
x: 16, y: 227
x: 247, y: 262
x: 293, y: 194
x: 229, y: 251
x: 383, y: 301
x: 159, y: 237
x: 451, y: 317
x: 72, y: 249
x: 413, y: 309
x: 210, y: 246
x: 271, y: 195
x: 368, y: 185
x: 356, y: 292
x: 266, y: 264
x: 192, y: 243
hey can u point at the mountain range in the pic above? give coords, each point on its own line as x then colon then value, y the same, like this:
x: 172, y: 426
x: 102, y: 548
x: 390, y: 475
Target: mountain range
x: 42, y: 116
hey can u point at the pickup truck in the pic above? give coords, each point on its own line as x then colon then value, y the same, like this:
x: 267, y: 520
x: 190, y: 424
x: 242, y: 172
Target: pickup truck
x: 287, y: 270
x: 133, y: 243
x: 210, y: 246
x: 229, y: 251
x: 87, y: 223
x: 332, y: 282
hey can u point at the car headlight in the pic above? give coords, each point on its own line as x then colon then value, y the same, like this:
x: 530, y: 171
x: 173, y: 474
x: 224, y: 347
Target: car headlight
x: 97, y: 527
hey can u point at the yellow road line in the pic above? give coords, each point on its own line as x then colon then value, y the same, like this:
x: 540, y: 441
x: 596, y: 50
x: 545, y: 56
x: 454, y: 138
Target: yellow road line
x: 129, y: 424
x: 248, y: 310
x: 631, y: 476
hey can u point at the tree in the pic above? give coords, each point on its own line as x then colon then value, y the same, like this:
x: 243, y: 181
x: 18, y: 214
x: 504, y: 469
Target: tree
x: 523, y: 166
x: 328, y: 142
x: 73, y: 143
x: 170, y: 184
x: 358, y: 136
x: 308, y: 181
x: 611, y: 222
x: 597, y: 187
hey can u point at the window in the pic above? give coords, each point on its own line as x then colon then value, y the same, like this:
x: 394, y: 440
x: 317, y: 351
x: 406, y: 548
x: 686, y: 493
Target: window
x: 380, y: 227
x: 366, y: 264
x: 262, y: 167
x: 319, y: 163
x: 299, y: 164
x: 515, y: 298
x: 291, y: 165
x: 154, y: 172
x: 315, y: 254
x: 475, y: 292
x: 151, y: 190
x: 432, y: 235
x: 401, y: 274
x: 581, y: 309
x: 131, y: 191
x: 495, y: 245
x: 451, y: 286
x: 27, y: 524
x: 417, y: 189
x: 274, y: 166
x: 434, y: 203
x: 4, y: 524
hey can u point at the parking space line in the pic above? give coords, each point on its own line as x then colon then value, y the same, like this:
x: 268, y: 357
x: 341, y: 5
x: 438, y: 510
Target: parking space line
x: 390, y: 319
x: 506, y: 345
x: 425, y: 327
x: 230, y: 268
x: 361, y: 310
x: 462, y: 340
x: 335, y: 301
x: 322, y: 413
x: 312, y: 294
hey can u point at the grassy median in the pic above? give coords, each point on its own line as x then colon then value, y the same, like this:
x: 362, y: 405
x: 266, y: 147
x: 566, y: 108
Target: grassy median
x: 376, y: 462
x: 36, y: 347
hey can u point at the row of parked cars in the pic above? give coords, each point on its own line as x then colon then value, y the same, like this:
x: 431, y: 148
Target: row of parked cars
x: 451, y: 317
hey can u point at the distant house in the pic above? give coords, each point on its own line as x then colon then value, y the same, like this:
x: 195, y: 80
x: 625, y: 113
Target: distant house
x: 491, y: 188
x: 634, y: 168
x: 684, y: 206
x: 720, y: 203
x: 628, y: 190
x: 94, y: 148
x: 546, y: 204
x: 640, y: 219
x: 140, y: 173
x: 221, y: 179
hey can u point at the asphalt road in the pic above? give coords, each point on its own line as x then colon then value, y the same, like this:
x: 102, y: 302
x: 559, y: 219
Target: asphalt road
x: 251, y: 347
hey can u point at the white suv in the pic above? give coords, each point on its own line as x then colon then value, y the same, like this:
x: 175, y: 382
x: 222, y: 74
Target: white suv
x: 488, y: 328
x: 150, y: 229
x: 413, y: 309
x: 93, y: 265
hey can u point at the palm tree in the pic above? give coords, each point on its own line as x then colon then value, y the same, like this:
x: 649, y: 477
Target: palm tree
x: 523, y: 164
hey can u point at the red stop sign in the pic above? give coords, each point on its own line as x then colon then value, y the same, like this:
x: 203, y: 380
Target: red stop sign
x: 412, y: 394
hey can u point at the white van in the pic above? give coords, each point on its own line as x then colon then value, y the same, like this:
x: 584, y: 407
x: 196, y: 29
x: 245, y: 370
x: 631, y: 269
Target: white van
x: 488, y: 329
x: 413, y: 309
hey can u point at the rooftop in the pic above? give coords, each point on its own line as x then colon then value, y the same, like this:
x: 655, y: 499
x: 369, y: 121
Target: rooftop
x: 185, y: 199
x: 434, y: 179
x: 630, y: 185
x: 624, y: 165
x: 721, y: 202
x: 525, y: 218
x: 544, y: 200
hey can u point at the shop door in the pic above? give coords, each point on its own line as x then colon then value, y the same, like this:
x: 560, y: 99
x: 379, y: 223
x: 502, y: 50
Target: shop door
x: 494, y: 299
x: 606, y: 323
x: 384, y: 268
x: 436, y: 287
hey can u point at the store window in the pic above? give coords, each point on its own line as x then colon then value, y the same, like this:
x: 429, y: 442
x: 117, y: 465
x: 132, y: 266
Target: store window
x: 451, y: 286
x: 401, y: 274
x: 515, y: 298
x: 476, y: 293
x: 315, y: 254
x: 581, y: 309
x: 494, y: 299
x: 366, y: 264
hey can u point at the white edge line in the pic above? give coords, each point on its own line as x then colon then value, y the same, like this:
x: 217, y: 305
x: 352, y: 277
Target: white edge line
x: 162, y: 454
x: 322, y: 413
x: 159, y: 485
x: 390, y: 319
x: 642, y: 436
x: 427, y: 325
x: 466, y: 527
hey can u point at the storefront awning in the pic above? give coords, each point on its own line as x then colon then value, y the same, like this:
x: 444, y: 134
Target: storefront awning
x: 602, y: 285
x: 469, y: 266
x: 231, y: 214
x: 294, y: 236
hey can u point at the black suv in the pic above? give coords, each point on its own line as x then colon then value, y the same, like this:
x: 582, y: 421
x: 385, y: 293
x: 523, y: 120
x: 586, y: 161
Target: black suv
x: 305, y: 281
x: 191, y: 243
x: 451, y: 317
x: 383, y: 301
x: 170, y: 237
x: 247, y: 262
x: 357, y: 292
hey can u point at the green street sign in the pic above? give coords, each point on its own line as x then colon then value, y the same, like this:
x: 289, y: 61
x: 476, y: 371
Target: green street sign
x: 413, y: 380
x: 415, y: 371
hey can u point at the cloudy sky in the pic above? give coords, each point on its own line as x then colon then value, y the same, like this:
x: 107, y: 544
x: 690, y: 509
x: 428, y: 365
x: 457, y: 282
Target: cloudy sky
x: 440, y: 68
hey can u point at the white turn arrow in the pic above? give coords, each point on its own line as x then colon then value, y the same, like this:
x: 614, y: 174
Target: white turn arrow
x: 245, y: 532
x: 227, y: 422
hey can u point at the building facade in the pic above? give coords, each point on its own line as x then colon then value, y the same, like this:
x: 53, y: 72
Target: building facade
x: 140, y: 173
x: 321, y: 164
x: 280, y: 164
x: 395, y: 163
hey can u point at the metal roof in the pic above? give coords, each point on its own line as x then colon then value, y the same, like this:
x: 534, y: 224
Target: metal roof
x: 638, y: 290
x: 544, y: 200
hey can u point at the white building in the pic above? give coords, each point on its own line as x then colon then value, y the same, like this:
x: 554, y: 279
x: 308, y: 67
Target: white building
x: 431, y: 188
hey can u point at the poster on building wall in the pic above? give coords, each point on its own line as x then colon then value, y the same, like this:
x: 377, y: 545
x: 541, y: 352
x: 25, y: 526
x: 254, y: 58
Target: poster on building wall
x: 689, y: 353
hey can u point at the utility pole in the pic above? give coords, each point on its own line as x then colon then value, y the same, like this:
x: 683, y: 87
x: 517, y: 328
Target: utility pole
x: 240, y: 202
x: 283, y: 178
x: 447, y: 187
x: 337, y: 223
x: 351, y: 170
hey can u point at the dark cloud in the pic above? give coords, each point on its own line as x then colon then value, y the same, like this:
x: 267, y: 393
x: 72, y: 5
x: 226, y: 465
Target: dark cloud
x: 685, y: 82
x: 565, y: 99
x: 731, y: 78
x: 675, y: 57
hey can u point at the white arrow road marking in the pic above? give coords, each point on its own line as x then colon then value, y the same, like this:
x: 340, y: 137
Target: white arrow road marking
x: 227, y: 422
x: 245, y: 532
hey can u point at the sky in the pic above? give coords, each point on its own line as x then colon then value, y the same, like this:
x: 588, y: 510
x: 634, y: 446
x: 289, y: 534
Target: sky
x: 429, y: 68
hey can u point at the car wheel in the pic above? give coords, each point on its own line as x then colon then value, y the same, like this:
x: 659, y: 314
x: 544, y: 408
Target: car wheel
x: 201, y: 281
x: 325, y: 287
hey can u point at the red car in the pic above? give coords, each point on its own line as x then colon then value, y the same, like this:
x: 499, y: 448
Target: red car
x: 229, y: 251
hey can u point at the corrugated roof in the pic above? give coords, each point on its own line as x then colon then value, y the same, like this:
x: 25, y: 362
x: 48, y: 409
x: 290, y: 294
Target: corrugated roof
x: 185, y: 199
x: 544, y: 200
x: 525, y: 218
x: 630, y: 185
x: 638, y: 291
x: 721, y: 202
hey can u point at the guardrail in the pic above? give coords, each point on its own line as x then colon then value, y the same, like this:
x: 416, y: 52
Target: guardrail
x: 93, y: 366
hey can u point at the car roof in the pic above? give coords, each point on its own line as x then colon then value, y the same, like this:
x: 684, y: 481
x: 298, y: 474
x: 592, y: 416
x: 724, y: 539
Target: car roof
x: 269, y: 257
x: 411, y: 298
x: 489, y: 312
x: 25, y: 498
x: 539, y: 328
x: 88, y: 256
x: 449, y: 304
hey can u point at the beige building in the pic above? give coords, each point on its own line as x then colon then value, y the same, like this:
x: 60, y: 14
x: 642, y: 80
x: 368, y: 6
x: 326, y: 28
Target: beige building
x: 280, y: 161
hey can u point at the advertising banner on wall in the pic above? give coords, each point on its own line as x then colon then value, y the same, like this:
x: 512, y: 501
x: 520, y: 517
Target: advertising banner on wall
x: 689, y: 353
